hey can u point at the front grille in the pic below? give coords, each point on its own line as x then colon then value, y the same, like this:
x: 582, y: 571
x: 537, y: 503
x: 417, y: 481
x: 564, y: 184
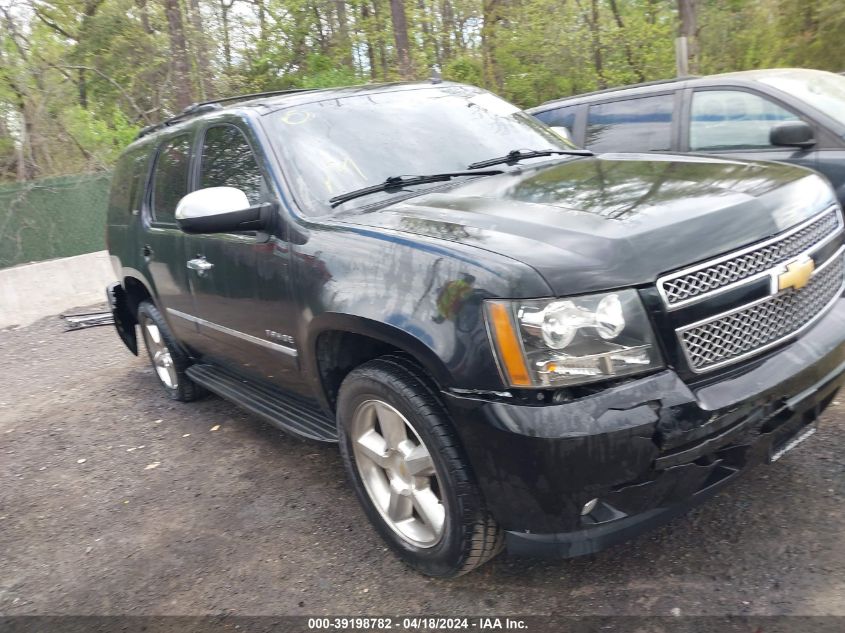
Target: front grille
x: 732, y: 336
x: 693, y: 284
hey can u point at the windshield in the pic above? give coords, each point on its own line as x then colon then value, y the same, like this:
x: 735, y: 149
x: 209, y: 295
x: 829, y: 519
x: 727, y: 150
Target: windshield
x: 338, y: 145
x: 822, y: 90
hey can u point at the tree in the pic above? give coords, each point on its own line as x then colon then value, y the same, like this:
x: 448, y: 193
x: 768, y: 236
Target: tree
x: 181, y: 66
x: 78, y: 78
x: 493, y: 23
x: 400, y: 35
x: 688, y: 33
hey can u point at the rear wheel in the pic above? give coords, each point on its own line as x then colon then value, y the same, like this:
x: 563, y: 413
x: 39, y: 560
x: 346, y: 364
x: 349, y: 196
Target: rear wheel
x: 167, y: 358
x: 408, y: 471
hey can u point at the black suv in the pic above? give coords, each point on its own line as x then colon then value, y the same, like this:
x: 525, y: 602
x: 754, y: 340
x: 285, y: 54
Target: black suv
x: 793, y: 115
x: 513, y: 341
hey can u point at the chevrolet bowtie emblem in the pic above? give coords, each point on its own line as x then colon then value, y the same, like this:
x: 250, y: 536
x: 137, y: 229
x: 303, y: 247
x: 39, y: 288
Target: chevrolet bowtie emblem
x: 797, y: 274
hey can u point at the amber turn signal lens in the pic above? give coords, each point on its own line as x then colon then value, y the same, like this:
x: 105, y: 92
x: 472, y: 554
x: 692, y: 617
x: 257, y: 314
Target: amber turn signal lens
x: 510, y: 351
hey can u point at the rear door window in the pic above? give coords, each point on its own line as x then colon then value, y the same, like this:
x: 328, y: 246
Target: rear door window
x: 170, y: 178
x: 127, y: 183
x: 733, y: 119
x: 632, y: 125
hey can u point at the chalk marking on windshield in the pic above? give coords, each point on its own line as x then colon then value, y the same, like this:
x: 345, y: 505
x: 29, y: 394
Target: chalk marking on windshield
x: 338, y: 166
x: 297, y: 117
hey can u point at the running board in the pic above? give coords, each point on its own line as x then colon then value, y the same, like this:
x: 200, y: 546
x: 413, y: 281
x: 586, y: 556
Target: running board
x: 290, y: 413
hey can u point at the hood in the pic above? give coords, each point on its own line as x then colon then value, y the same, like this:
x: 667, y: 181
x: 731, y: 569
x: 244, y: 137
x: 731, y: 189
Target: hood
x: 613, y: 220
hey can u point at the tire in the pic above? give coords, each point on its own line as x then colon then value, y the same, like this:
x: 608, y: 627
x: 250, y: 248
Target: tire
x: 418, y: 492
x: 166, y: 356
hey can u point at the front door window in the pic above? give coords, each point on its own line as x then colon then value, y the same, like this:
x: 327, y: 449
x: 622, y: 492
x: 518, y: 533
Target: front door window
x: 228, y: 161
x: 170, y: 178
x: 733, y: 120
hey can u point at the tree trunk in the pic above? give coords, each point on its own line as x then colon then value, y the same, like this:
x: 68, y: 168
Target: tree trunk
x: 202, y: 57
x: 82, y: 84
x: 318, y: 20
x: 227, y: 41
x: 687, y: 12
x: 614, y: 7
x: 447, y: 22
x: 432, y: 52
x: 651, y: 11
x: 368, y: 40
x: 493, y: 13
x: 262, y: 21
x: 400, y: 36
x: 344, y: 43
x: 595, y: 37
x: 180, y: 64
x: 145, y: 16
x: 20, y: 148
x: 379, y: 31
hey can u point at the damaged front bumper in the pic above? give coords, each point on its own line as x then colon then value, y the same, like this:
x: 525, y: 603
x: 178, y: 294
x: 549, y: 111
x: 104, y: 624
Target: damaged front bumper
x: 647, y: 450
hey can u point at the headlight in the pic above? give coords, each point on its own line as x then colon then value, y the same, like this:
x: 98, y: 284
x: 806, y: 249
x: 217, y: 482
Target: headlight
x: 562, y: 342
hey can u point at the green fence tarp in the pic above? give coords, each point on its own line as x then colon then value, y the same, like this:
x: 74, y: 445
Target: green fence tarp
x: 53, y: 217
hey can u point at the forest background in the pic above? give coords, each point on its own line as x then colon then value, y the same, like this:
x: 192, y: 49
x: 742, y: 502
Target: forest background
x: 79, y: 78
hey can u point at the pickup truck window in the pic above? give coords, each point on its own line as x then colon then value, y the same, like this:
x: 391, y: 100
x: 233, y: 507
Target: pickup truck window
x: 733, y: 119
x: 342, y: 144
x: 170, y: 178
x: 228, y: 161
x: 631, y: 125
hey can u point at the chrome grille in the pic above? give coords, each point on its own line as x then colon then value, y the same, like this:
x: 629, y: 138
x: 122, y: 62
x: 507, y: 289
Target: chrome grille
x: 691, y: 285
x: 729, y: 337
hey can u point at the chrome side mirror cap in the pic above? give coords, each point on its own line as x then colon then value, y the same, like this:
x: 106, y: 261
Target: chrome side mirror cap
x: 210, y: 201
x: 221, y: 210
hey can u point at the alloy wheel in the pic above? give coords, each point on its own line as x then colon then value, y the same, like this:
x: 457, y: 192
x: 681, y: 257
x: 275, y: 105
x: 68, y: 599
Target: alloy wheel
x: 160, y: 355
x: 398, y: 473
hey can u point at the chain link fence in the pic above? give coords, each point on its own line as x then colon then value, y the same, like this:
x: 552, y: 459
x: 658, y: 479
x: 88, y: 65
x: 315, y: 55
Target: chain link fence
x: 53, y: 217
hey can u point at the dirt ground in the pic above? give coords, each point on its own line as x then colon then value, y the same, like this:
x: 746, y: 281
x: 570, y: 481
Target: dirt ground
x: 116, y: 500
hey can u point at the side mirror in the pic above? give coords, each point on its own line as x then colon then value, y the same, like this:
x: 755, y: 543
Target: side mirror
x: 563, y: 131
x: 792, y: 134
x: 221, y: 210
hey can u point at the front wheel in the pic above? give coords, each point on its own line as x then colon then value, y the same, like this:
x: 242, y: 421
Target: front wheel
x: 408, y: 470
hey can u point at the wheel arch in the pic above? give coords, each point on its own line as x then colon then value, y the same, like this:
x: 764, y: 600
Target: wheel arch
x: 137, y: 290
x: 337, y: 343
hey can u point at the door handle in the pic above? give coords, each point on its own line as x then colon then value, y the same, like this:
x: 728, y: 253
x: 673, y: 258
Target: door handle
x: 200, y: 264
x: 147, y: 251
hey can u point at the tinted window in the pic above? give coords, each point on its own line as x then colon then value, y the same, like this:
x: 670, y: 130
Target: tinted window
x: 560, y: 117
x: 633, y: 125
x: 228, y: 161
x: 170, y: 180
x: 127, y: 183
x: 731, y: 119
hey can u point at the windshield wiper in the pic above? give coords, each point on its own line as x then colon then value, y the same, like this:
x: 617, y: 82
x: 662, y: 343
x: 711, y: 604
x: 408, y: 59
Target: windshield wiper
x: 514, y: 156
x: 397, y: 183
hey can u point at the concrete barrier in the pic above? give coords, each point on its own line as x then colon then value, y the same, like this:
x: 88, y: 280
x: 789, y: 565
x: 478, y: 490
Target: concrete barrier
x: 33, y: 291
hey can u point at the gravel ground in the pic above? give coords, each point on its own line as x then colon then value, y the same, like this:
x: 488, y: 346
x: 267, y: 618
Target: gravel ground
x: 116, y: 500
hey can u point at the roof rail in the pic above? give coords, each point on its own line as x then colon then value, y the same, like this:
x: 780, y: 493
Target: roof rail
x: 644, y: 84
x: 209, y: 106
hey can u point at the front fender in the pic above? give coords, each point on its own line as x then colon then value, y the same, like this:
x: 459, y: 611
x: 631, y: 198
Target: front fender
x: 386, y: 333
x: 419, y: 294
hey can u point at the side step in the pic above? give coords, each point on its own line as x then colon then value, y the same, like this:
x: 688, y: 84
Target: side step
x: 291, y: 413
